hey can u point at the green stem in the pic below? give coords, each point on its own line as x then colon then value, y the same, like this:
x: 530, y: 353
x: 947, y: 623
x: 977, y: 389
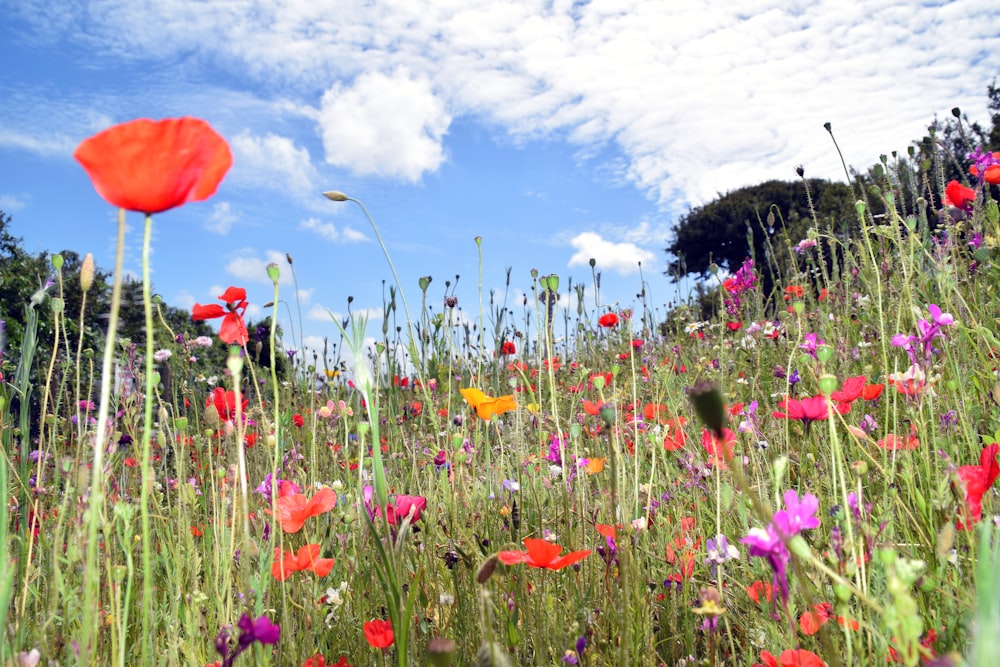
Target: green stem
x: 92, y: 571
x: 147, y: 434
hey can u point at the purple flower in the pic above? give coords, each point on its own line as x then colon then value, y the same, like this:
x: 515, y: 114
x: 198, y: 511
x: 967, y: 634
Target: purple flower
x: 810, y: 344
x: 797, y: 515
x: 258, y: 630
x: 766, y: 543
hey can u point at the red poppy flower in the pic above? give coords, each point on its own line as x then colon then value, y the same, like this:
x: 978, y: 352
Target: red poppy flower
x: 225, y: 403
x: 734, y: 326
x: 298, y: 420
x: 893, y: 441
x: 508, y: 348
x: 404, y: 506
x: 758, y: 589
x: 811, y: 621
x: 959, y: 196
x: 675, y: 437
x: 806, y: 409
x: 379, y: 633
x: 591, y: 408
x: 655, y: 412
x: 797, y: 658
x: 152, y: 166
x: 541, y: 554
x: 294, y: 509
x: 608, y: 320
x: 319, y: 661
x: 233, y: 331
x: 978, y: 480
x: 306, y: 559
x: 719, y: 450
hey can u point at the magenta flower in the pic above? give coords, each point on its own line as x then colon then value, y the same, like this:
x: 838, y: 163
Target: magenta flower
x: 767, y: 544
x: 797, y: 515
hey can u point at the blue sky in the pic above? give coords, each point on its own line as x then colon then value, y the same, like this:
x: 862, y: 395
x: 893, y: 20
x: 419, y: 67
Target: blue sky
x: 557, y: 131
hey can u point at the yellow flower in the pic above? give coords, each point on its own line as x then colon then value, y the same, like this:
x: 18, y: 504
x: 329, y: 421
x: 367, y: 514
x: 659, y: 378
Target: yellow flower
x: 485, y: 406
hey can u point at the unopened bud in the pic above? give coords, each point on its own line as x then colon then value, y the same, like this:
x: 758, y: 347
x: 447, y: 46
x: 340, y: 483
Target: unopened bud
x: 87, y: 272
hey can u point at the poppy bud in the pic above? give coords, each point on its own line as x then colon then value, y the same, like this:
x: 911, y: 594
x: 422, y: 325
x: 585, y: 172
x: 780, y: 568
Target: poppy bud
x: 486, y: 569
x: 87, y: 272
x: 273, y: 272
x: 708, y: 404
x: 335, y: 195
x: 57, y: 262
x: 441, y: 651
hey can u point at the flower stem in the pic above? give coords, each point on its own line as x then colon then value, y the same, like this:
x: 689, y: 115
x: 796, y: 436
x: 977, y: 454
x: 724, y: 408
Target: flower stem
x: 92, y: 575
x: 147, y: 434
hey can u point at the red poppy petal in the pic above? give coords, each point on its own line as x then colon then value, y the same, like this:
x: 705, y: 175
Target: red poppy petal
x: 512, y: 557
x: 540, y: 552
x: 233, y: 331
x: 233, y: 295
x: 207, y: 312
x: 152, y: 166
x: 568, y: 559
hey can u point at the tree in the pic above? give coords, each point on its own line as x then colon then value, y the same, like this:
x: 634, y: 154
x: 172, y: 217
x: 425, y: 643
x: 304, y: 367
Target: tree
x: 755, y: 221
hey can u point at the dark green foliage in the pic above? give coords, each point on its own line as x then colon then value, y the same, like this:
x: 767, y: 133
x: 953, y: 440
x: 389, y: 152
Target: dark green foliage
x: 737, y: 225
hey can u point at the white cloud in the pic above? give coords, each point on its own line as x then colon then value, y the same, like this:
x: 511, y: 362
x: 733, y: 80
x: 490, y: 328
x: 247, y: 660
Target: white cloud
x: 351, y: 235
x: 222, y: 218
x: 387, y: 125
x: 325, y: 229
x: 330, y: 232
x: 697, y: 97
x: 623, y: 257
x: 273, y: 162
x: 11, y: 203
x: 249, y: 266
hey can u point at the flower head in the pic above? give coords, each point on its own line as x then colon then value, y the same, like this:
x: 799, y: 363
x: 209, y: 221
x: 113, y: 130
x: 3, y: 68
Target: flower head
x: 233, y: 331
x: 541, y: 554
x: 485, y: 406
x: 977, y: 480
x: 152, y: 166
x: 294, y: 509
x: 306, y: 559
x: 608, y: 321
x: 379, y: 633
x: 959, y: 196
x: 225, y: 403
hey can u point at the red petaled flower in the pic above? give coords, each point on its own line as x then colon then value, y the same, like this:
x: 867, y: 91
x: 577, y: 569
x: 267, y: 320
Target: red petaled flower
x: 508, y: 348
x: 674, y: 437
x: 759, y: 589
x: 978, y: 479
x: 719, y: 450
x: 233, y: 331
x: 791, y: 658
x: 306, y: 559
x: 225, y: 403
x: 319, y: 661
x: 379, y: 633
x: 541, y: 554
x: 298, y: 420
x: 959, y: 196
x: 294, y: 509
x: 807, y: 409
x: 152, y: 166
x: 608, y: 320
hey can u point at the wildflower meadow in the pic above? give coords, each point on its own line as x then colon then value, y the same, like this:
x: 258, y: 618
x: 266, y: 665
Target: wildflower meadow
x: 801, y: 475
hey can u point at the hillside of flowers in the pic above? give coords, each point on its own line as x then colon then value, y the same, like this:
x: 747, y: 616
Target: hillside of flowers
x: 805, y: 477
